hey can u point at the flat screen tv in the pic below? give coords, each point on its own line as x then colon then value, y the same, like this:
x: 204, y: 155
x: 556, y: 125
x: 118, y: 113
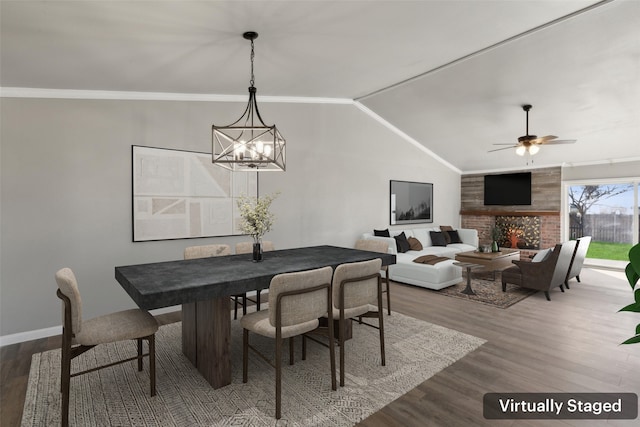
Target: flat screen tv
x: 508, y: 189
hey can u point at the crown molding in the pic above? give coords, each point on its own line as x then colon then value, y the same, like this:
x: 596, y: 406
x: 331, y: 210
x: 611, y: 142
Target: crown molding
x: 26, y: 92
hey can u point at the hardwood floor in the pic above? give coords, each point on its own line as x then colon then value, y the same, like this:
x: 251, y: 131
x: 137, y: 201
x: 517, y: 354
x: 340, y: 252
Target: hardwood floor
x: 570, y: 344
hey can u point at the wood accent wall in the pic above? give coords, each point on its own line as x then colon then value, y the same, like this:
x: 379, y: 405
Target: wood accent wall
x: 546, y: 187
x: 546, y: 194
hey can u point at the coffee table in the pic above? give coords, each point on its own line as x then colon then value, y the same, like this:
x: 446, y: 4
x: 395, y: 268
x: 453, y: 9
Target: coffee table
x: 492, y: 261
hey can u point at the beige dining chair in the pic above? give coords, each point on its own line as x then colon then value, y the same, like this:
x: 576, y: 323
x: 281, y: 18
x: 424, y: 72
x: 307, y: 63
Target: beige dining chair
x: 79, y: 336
x: 247, y: 248
x: 357, y: 292
x: 382, y: 247
x: 297, y: 301
x: 206, y: 251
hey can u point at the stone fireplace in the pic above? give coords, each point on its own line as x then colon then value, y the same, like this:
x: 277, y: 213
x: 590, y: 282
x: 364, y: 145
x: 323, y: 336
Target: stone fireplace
x: 535, y: 227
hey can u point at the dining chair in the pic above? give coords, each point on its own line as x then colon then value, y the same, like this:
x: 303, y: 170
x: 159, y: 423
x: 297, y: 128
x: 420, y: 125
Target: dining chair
x: 79, y: 336
x: 206, y: 251
x: 297, y: 301
x: 357, y: 292
x: 382, y: 247
x: 247, y: 248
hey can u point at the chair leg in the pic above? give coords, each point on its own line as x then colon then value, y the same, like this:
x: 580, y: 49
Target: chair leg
x: 291, y: 358
x: 139, y: 354
x: 244, y: 304
x: 386, y: 279
x: 566, y: 283
x: 65, y: 381
x: 332, y: 355
x: 381, y: 328
x: 578, y: 278
x: 245, y: 355
x: 341, y: 333
x: 258, y: 299
x: 278, y: 378
x: 152, y: 363
x: 546, y: 294
x: 235, y: 307
x: 304, y: 347
x: 504, y: 287
x: 562, y: 288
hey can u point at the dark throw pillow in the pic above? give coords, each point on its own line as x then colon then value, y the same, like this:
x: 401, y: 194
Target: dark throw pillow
x: 453, y: 236
x: 401, y: 243
x: 381, y: 233
x: 414, y: 244
x: 437, y: 239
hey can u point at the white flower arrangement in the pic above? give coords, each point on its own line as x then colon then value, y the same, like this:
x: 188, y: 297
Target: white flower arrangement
x: 256, y: 218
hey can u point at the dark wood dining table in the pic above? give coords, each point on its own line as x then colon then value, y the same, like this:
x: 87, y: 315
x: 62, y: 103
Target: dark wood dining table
x: 203, y: 287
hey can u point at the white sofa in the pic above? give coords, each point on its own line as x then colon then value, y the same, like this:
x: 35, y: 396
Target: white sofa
x: 435, y: 276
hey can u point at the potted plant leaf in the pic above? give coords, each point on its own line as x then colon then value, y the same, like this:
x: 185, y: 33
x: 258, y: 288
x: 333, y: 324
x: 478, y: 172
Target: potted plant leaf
x: 633, y: 275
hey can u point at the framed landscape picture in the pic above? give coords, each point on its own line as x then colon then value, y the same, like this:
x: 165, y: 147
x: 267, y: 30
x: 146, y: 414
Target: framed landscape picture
x: 181, y: 194
x: 410, y: 202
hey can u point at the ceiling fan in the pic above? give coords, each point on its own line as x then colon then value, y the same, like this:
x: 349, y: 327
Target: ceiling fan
x: 531, y: 143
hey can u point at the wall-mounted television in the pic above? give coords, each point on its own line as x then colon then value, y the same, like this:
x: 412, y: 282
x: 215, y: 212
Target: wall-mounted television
x: 508, y: 189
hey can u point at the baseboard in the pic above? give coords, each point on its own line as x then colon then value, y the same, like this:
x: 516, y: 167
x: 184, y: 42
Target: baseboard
x: 57, y: 330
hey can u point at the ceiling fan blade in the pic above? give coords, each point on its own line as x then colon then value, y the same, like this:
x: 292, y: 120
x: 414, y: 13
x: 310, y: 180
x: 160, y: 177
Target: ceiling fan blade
x: 508, y: 143
x: 562, y: 141
x: 543, y: 139
x: 503, y: 148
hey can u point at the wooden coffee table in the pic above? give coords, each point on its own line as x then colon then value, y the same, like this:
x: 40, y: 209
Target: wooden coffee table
x: 492, y: 261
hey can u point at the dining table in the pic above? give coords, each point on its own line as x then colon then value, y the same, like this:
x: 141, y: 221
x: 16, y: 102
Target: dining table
x: 203, y: 287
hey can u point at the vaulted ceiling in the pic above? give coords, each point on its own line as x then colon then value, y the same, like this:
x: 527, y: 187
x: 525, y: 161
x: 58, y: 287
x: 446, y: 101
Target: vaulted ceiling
x: 451, y: 75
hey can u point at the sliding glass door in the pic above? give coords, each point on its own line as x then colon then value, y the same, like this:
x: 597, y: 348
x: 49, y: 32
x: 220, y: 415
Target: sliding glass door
x: 606, y: 211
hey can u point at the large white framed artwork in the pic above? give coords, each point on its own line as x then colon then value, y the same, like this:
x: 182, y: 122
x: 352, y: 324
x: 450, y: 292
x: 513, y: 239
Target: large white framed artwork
x: 181, y: 194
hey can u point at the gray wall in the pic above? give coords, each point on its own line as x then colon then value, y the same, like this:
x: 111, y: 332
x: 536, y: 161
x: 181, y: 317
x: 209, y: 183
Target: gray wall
x: 66, y: 189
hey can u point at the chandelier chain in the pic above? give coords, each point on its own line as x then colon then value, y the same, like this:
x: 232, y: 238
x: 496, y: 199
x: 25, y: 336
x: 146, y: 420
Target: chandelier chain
x: 252, y: 81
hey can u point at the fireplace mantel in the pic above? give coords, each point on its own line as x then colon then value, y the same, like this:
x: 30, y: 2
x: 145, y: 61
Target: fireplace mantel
x: 508, y: 213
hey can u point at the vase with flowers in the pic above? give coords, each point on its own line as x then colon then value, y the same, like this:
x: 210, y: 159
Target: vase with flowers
x: 256, y: 220
x: 496, y: 235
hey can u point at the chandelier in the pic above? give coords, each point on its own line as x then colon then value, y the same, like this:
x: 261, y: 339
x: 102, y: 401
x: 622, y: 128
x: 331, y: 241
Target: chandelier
x: 248, y: 144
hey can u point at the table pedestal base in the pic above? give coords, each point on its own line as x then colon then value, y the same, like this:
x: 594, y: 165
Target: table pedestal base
x: 206, y: 335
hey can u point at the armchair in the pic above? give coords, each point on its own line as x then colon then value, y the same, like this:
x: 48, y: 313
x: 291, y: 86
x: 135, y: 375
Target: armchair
x: 578, y: 259
x: 544, y: 275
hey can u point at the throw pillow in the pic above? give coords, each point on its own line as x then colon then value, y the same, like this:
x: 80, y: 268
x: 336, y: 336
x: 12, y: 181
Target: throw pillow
x: 453, y: 236
x: 437, y: 239
x: 381, y: 233
x: 401, y: 243
x: 414, y: 244
x: 542, y: 255
x: 445, y: 229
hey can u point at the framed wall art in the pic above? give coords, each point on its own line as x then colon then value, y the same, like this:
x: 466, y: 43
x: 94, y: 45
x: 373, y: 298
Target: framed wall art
x: 181, y: 194
x: 410, y: 202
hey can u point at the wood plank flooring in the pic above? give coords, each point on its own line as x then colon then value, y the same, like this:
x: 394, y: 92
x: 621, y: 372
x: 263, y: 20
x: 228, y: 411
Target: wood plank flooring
x: 568, y: 344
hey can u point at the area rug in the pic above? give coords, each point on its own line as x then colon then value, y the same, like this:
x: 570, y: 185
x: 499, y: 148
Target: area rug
x: 488, y: 291
x: 119, y: 396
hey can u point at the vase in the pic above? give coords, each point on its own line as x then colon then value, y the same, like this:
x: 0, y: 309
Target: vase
x: 514, y: 241
x: 494, y: 246
x: 257, y: 251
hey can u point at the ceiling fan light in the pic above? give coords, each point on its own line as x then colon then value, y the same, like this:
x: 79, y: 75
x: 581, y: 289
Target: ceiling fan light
x: 521, y: 150
x: 533, y: 149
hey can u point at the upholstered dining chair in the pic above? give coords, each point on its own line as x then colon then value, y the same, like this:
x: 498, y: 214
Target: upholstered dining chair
x: 378, y: 246
x: 544, y: 275
x: 79, y: 336
x: 206, y: 251
x: 297, y: 301
x: 577, y: 262
x: 247, y: 248
x: 357, y: 292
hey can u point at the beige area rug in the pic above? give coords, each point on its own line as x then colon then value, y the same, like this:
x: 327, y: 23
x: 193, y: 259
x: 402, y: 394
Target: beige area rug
x: 488, y: 291
x: 119, y: 396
